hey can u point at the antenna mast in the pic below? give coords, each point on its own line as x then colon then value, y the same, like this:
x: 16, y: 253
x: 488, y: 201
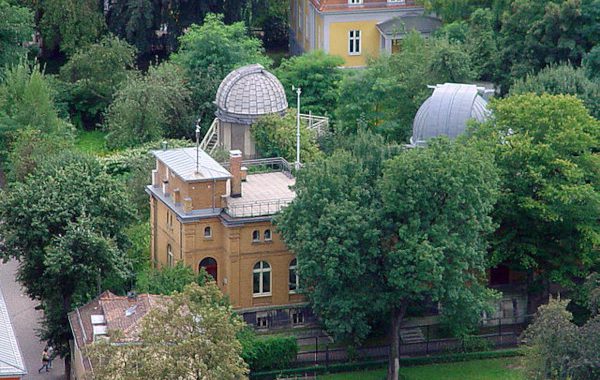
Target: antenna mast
x: 298, y: 92
x: 198, y: 145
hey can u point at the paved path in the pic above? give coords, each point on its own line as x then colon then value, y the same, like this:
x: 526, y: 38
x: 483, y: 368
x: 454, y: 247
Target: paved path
x: 25, y: 320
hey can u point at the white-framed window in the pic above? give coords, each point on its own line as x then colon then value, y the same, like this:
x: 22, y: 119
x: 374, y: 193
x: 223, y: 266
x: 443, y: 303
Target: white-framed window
x: 262, y: 322
x: 169, y: 255
x: 293, y: 283
x: 261, y: 279
x: 355, y: 2
x: 396, y: 1
x: 297, y: 317
x: 207, y: 232
x: 354, y: 44
x: 255, y: 236
x: 267, y: 235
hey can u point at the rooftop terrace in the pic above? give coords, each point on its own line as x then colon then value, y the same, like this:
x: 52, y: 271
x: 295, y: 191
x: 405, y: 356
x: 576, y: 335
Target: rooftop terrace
x: 262, y: 194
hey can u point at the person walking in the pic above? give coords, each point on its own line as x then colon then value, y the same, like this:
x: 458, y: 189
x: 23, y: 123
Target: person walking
x: 45, y: 360
x: 50, y: 356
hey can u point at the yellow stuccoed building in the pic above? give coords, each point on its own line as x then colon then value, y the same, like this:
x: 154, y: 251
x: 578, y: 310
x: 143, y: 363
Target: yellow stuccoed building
x: 355, y: 29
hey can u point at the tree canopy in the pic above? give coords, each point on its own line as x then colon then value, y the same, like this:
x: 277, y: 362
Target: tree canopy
x: 16, y: 29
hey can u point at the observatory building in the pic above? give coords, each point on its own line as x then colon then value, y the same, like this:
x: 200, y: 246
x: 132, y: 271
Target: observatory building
x: 447, y: 111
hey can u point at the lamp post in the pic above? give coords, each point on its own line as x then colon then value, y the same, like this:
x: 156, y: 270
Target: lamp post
x: 198, y: 146
x: 298, y: 92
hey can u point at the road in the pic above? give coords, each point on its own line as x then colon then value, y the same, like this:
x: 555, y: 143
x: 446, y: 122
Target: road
x: 25, y: 320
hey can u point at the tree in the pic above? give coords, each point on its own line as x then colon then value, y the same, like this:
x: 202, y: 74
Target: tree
x: 318, y: 75
x: 65, y: 225
x: 386, y: 96
x: 546, y: 149
x: 481, y: 41
x: 395, y: 237
x: 209, y: 52
x: 591, y: 63
x: 191, y: 335
x: 562, y: 79
x: 456, y: 10
x: 71, y: 25
x: 92, y: 84
x: 275, y: 136
x: 168, y: 280
x: 15, y: 30
x: 149, y: 107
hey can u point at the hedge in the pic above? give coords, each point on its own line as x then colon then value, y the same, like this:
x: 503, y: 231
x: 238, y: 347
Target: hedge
x: 268, y: 353
x: 405, y: 362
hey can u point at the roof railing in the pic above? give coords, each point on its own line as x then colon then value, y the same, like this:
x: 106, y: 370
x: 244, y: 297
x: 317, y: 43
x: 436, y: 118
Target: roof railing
x: 266, y: 165
x: 257, y: 208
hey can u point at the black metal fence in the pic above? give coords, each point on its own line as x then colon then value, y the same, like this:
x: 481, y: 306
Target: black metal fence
x: 494, y: 333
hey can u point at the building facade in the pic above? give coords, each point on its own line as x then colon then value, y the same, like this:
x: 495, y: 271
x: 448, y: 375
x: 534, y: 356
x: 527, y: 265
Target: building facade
x: 218, y: 219
x: 355, y: 29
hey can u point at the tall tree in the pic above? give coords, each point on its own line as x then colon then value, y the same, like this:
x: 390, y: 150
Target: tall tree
x: 394, y: 237
x: 16, y: 29
x: 65, y: 225
x: 209, y: 52
x: 546, y: 148
x: 91, y: 84
x: 191, y: 335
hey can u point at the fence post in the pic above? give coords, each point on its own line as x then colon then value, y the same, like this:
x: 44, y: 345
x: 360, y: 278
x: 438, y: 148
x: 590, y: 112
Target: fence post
x: 316, y: 349
x: 500, y: 329
x: 427, y: 342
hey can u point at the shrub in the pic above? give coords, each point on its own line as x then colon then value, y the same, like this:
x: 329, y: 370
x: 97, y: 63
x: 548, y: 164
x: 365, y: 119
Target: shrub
x: 168, y: 280
x: 267, y: 353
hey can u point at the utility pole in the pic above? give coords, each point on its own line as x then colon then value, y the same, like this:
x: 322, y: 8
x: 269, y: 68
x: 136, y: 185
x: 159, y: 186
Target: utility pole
x: 298, y: 92
x: 198, y: 146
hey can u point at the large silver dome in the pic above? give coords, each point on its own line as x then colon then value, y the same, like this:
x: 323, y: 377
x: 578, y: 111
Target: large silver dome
x: 447, y: 111
x: 248, y: 93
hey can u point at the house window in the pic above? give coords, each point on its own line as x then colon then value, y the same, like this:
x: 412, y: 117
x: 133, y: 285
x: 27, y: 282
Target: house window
x: 268, y: 235
x: 262, y: 322
x: 354, y: 42
x: 294, y: 284
x: 297, y: 317
x: 354, y: 2
x: 255, y: 235
x: 169, y: 255
x: 396, y: 1
x: 207, y: 232
x: 261, y: 284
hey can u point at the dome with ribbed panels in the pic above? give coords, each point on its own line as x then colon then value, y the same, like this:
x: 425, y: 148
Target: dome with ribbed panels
x: 248, y: 93
x: 447, y: 111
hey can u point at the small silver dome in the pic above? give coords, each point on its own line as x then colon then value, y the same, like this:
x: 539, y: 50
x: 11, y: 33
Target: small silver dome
x: 248, y: 93
x: 447, y: 111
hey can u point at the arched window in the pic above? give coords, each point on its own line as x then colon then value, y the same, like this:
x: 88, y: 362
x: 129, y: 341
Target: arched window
x: 210, y: 266
x: 207, y: 232
x: 261, y: 279
x: 256, y: 235
x: 169, y: 255
x: 267, y: 235
x: 293, y: 277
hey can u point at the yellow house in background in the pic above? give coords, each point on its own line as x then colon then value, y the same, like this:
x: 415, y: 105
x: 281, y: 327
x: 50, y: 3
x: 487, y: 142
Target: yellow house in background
x: 355, y: 29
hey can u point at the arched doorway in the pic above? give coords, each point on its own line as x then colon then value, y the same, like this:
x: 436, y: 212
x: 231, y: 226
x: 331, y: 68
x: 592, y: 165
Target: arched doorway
x: 210, y: 266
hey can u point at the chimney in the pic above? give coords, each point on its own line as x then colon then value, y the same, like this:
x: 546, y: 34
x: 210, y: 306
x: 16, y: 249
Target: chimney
x: 235, y: 167
x: 176, y: 196
x: 155, y: 181
x: 165, y: 187
x: 187, y: 205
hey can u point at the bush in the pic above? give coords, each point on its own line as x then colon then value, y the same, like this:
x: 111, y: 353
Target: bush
x: 168, y: 280
x: 267, y: 353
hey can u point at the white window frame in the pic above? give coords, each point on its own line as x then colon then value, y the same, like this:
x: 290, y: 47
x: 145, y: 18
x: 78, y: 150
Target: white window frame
x: 396, y: 1
x: 170, y: 257
x: 257, y: 238
x: 355, y: 2
x: 262, y: 271
x: 268, y: 235
x: 354, y: 36
x: 293, y: 267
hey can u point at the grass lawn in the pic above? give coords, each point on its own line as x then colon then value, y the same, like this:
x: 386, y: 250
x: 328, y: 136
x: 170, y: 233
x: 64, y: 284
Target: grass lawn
x: 91, y: 142
x: 490, y: 369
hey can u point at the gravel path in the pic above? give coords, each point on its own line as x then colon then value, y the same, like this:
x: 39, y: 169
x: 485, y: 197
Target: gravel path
x: 25, y: 320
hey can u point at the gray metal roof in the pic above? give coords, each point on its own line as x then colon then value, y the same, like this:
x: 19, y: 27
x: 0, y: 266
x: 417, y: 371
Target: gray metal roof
x: 447, y: 111
x: 11, y: 361
x: 249, y: 92
x: 182, y: 162
x: 401, y: 25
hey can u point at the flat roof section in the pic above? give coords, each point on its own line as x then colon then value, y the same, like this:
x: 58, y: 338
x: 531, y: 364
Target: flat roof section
x: 262, y: 194
x: 11, y: 361
x: 182, y: 162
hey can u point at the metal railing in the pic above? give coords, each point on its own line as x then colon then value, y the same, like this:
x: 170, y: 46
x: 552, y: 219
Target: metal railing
x: 213, y: 133
x: 265, y: 165
x: 318, y: 123
x: 257, y: 208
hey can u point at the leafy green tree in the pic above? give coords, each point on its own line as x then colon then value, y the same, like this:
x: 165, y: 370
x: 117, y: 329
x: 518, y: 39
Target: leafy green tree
x: 275, y: 136
x: 209, y: 52
x: 387, y: 94
x: 395, y: 237
x: 456, y: 10
x: 191, y: 335
x: 481, y: 41
x: 318, y: 75
x: 135, y: 22
x: 71, y: 25
x: 149, y: 107
x: 591, y: 63
x: 94, y: 74
x: 546, y: 148
x: 562, y: 79
x: 15, y: 29
x: 168, y: 280
x: 65, y: 225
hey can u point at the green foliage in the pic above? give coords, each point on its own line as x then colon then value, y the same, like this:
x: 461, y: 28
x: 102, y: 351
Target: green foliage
x: 265, y: 353
x: 168, y: 280
x: 275, y: 136
x: 319, y: 77
x: 93, y: 74
x: 71, y: 25
x: 149, y: 107
x: 482, y: 45
x: 562, y: 79
x: 546, y: 149
x: 65, y: 225
x: 92, y: 142
x: 473, y: 343
x: 209, y: 52
x: 16, y: 29
x: 455, y: 10
x: 591, y: 63
x: 387, y: 94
